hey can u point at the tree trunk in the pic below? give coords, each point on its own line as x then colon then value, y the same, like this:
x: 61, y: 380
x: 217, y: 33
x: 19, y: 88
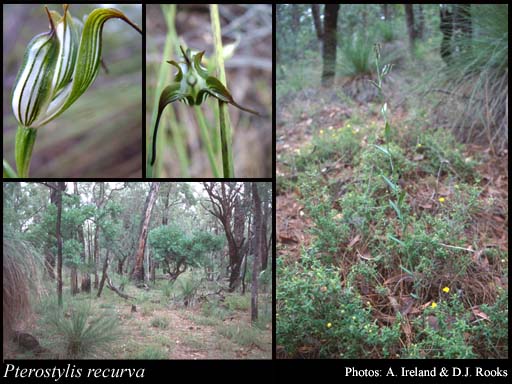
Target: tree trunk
x: 385, y: 12
x: 247, y: 253
x: 224, y: 200
x: 74, y: 280
x: 295, y: 16
x: 329, y: 47
x: 446, y: 27
x: 99, y: 205
x: 411, y: 30
x: 138, y: 270
x: 257, y: 252
x: 315, y: 10
x: 267, y: 212
x: 49, y: 263
x: 104, y: 275
x: 421, y: 22
x: 61, y: 186
x: 74, y: 272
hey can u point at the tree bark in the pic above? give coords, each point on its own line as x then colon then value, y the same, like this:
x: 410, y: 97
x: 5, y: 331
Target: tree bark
x: 329, y: 46
x: 249, y: 244
x: 104, y: 275
x: 315, y: 10
x: 411, y: 29
x: 295, y: 16
x: 257, y: 252
x: 385, y: 11
x: 223, y: 204
x: 421, y: 22
x: 138, y: 270
x: 111, y: 286
x: 99, y: 206
x: 73, y: 268
x: 61, y: 186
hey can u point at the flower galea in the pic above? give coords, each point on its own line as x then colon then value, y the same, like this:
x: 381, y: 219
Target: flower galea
x: 59, y: 65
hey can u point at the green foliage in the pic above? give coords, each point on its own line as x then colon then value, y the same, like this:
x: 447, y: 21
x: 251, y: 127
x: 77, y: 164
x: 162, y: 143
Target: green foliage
x: 477, y: 77
x: 168, y: 289
x: 243, y: 335
x: 237, y: 302
x: 215, y: 310
x: 160, y: 322
x: 442, y: 152
x: 152, y: 352
x: 386, y: 32
x: 80, y: 333
x: 330, y: 145
x: 445, y: 336
x: 314, y: 309
x: 188, y: 285
x: 356, y: 52
x: 172, y: 244
x: 492, y: 338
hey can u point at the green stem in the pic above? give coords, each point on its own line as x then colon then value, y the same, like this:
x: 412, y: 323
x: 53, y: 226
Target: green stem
x: 25, y: 140
x: 9, y: 173
x: 205, y: 137
x: 225, y: 139
x: 225, y: 125
x: 169, y: 12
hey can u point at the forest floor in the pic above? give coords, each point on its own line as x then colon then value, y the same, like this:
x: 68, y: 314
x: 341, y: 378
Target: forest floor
x: 304, y: 114
x: 331, y: 156
x: 162, y: 328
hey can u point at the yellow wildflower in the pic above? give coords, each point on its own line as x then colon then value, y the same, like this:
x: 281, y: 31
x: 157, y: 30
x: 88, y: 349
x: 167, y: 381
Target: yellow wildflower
x: 446, y: 289
x: 434, y: 304
x: 329, y: 325
x: 441, y: 199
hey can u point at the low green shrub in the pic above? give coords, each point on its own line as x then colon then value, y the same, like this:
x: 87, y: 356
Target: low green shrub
x: 243, y: 335
x: 237, y: 302
x: 81, y: 333
x: 314, y: 310
x: 152, y: 353
x: 160, y: 322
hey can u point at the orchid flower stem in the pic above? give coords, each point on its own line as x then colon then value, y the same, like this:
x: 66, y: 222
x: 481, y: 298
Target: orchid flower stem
x: 225, y: 139
x: 205, y: 137
x: 25, y: 140
x: 225, y: 125
x: 9, y: 173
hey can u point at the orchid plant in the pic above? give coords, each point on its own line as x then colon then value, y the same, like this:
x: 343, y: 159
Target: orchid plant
x: 192, y: 85
x: 58, y: 67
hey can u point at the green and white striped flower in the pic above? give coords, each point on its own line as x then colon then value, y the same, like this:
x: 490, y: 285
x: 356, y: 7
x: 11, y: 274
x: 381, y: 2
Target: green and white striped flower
x: 60, y: 65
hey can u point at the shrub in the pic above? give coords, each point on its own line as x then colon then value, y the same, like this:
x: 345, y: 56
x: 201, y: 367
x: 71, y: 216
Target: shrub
x: 356, y: 51
x: 152, y: 353
x: 80, y: 332
x: 160, y: 322
x: 243, y: 335
x: 386, y: 31
x: 315, y: 311
x: 238, y: 302
x: 167, y: 289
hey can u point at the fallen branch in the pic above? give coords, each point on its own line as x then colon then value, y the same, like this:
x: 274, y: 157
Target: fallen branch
x: 111, y: 286
x: 454, y: 247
